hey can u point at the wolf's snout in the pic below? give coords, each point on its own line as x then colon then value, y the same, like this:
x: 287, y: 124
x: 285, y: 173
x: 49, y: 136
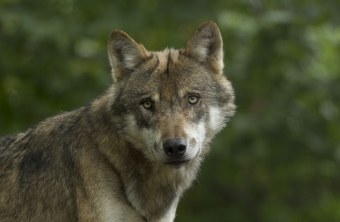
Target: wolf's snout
x: 175, y: 147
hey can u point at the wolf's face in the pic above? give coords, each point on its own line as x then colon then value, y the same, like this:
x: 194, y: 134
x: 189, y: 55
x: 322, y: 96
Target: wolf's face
x: 172, y: 102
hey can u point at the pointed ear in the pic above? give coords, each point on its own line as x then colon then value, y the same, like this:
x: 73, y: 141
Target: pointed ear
x: 206, y: 46
x: 124, y: 53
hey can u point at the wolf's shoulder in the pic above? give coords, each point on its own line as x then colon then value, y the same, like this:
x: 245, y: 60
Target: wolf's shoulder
x: 44, y: 130
x: 7, y: 140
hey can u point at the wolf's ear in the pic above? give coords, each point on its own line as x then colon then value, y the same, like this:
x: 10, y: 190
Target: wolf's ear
x: 206, y: 46
x: 124, y: 53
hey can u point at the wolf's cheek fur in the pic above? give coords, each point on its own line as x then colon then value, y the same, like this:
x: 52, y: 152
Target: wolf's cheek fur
x: 196, y: 135
x: 139, y: 138
x: 216, y: 121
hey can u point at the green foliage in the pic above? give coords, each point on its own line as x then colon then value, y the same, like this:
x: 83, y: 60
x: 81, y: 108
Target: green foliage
x: 278, y: 158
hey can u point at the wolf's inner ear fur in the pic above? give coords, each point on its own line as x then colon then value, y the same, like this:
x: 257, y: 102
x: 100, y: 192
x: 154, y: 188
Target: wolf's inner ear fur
x: 206, y: 46
x: 124, y: 53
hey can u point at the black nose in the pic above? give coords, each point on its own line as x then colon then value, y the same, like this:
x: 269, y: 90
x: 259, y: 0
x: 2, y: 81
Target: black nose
x: 175, y: 147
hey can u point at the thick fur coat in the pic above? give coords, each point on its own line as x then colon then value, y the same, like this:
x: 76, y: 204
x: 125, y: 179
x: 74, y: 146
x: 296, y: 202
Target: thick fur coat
x: 131, y: 153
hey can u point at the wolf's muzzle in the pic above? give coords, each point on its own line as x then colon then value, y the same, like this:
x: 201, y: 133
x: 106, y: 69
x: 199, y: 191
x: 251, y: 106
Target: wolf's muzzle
x: 175, y: 148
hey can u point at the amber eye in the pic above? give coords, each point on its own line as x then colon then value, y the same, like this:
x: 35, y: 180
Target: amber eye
x: 193, y: 99
x: 147, y: 104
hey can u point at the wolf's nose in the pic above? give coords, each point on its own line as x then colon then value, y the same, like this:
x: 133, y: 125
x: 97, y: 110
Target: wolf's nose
x: 175, y: 147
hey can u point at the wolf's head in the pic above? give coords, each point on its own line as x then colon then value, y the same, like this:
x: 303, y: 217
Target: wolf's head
x: 170, y: 104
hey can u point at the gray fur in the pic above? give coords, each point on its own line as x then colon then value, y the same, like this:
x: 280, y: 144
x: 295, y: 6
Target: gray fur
x: 105, y: 162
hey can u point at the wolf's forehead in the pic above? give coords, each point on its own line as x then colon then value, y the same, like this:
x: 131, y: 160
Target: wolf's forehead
x: 166, y: 58
x: 175, y: 69
x: 169, y: 74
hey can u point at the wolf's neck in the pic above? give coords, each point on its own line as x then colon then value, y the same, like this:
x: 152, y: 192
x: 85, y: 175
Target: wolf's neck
x: 152, y: 188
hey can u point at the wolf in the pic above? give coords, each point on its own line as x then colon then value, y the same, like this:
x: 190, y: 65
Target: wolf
x: 130, y: 154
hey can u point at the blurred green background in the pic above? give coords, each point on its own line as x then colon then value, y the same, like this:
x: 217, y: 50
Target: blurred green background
x: 278, y: 160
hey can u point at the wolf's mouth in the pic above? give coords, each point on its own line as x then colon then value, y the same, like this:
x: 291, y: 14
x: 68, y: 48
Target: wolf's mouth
x: 177, y: 163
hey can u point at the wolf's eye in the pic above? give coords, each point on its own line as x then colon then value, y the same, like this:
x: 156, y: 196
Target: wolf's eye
x: 147, y: 104
x: 193, y: 99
